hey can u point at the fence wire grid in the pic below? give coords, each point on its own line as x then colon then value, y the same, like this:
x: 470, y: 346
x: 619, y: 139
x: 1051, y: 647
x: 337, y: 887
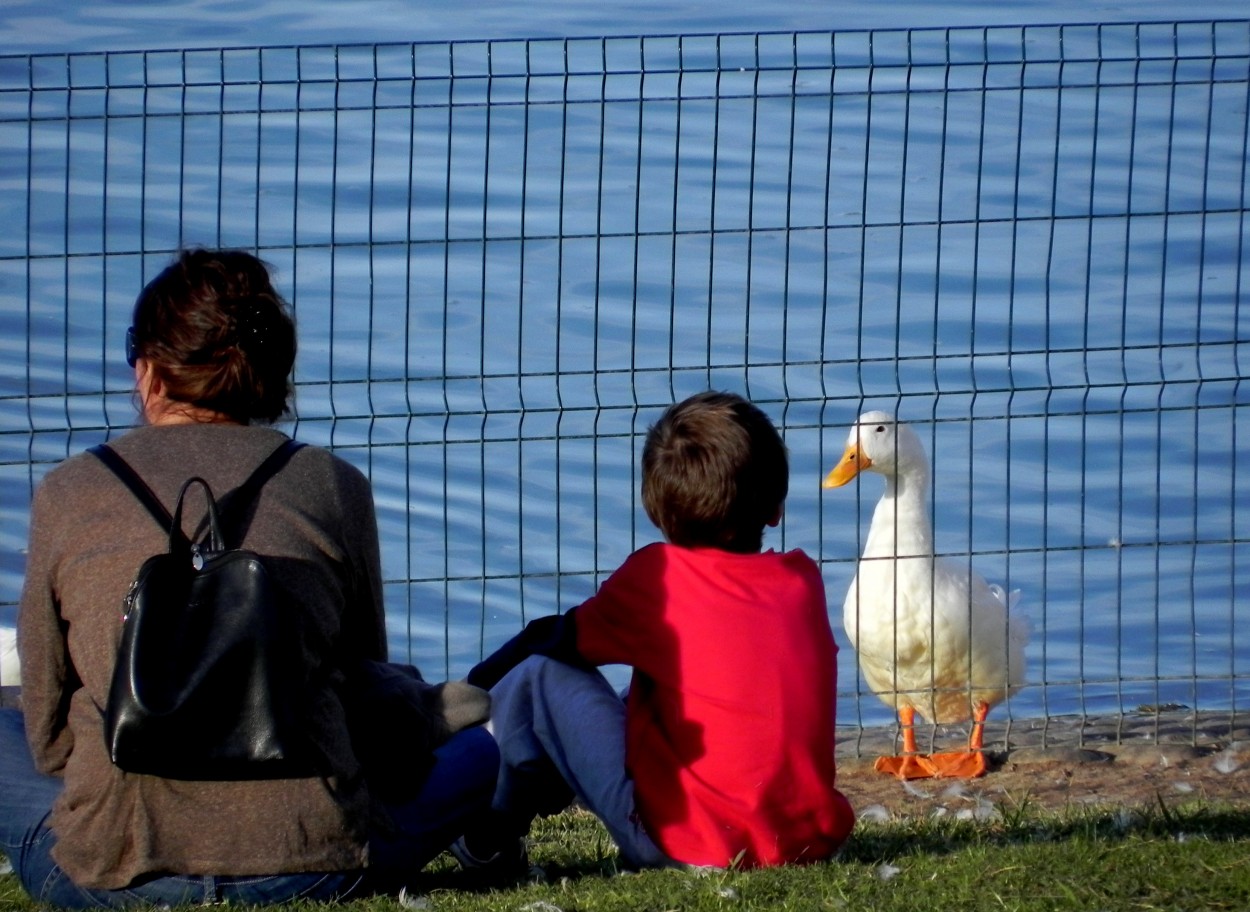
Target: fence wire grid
x: 506, y: 258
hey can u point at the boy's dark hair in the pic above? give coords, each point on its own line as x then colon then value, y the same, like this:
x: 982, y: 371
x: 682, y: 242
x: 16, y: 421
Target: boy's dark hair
x: 714, y: 473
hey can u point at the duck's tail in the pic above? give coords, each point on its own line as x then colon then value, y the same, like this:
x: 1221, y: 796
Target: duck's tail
x: 1019, y: 629
x: 1009, y: 599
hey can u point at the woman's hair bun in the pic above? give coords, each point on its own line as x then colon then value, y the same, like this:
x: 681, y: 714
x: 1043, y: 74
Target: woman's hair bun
x: 218, y: 334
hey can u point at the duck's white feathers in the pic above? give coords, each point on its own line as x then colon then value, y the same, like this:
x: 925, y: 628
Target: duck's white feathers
x: 930, y: 633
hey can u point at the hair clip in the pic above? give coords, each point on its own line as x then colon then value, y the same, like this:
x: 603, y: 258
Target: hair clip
x: 250, y: 326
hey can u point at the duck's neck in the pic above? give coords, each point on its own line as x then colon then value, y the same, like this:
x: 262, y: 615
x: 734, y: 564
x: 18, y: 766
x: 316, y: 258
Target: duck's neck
x: 900, y: 523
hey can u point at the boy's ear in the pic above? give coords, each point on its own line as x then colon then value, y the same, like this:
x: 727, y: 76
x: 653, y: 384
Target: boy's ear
x: 781, y: 510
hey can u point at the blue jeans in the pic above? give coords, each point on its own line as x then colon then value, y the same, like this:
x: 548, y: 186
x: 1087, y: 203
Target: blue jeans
x: 459, y: 786
x: 561, y: 733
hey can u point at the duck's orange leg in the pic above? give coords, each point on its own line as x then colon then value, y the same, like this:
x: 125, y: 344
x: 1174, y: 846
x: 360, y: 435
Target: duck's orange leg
x: 910, y: 764
x: 976, y: 737
x: 967, y: 764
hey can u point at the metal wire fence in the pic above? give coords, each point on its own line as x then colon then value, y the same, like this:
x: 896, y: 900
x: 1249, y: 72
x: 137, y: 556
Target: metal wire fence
x: 506, y: 258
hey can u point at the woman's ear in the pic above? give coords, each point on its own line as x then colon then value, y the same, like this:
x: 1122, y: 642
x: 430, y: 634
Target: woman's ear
x: 143, y: 374
x: 150, y: 388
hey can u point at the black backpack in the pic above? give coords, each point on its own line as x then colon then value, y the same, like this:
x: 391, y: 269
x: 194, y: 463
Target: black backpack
x: 207, y: 682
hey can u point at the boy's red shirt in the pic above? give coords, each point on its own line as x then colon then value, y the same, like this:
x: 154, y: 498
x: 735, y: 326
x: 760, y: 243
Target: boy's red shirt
x: 732, y: 703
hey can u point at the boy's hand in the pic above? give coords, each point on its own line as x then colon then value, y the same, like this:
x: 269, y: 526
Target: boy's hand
x: 554, y: 636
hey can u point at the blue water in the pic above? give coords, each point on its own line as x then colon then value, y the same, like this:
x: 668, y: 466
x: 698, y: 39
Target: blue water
x: 34, y: 27
x: 1087, y: 449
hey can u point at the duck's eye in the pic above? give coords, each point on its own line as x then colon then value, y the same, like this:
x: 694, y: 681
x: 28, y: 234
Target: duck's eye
x: 880, y: 428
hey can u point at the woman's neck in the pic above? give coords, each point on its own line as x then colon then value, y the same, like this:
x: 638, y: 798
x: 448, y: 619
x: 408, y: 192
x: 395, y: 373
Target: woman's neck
x: 164, y: 412
x: 158, y: 409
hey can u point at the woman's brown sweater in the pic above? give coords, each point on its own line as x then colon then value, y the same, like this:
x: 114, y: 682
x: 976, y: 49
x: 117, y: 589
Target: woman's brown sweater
x: 315, y: 524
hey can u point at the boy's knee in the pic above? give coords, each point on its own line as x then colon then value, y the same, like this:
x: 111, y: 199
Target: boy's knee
x: 534, y: 665
x: 539, y: 673
x: 520, y: 679
x: 540, y: 690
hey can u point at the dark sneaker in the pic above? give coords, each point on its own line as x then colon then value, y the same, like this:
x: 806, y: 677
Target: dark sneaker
x: 508, y: 863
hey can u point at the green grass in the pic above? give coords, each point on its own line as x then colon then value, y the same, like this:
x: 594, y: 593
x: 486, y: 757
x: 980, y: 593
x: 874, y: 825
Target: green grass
x: 1192, y: 857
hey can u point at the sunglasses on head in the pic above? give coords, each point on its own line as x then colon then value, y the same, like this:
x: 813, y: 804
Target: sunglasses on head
x: 132, y: 353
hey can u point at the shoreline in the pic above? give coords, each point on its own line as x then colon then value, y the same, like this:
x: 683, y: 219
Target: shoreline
x: 1173, y: 730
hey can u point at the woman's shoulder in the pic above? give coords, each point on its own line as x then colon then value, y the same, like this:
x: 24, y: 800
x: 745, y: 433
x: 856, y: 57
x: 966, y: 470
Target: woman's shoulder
x: 221, y: 454
x: 327, y: 483
x: 77, y: 472
x: 329, y: 467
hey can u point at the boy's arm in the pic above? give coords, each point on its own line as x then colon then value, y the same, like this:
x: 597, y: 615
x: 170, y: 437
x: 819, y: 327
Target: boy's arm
x: 554, y: 636
x: 614, y: 622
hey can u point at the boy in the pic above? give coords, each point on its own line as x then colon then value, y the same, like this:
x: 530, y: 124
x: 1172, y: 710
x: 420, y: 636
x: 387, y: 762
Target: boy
x: 723, y: 752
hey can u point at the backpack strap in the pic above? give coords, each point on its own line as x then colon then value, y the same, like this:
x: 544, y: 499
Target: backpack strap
x: 236, y: 503
x: 238, y: 499
x: 121, y: 468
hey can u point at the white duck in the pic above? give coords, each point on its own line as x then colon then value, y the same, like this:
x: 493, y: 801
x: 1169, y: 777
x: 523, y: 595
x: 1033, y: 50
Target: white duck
x: 932, y: 636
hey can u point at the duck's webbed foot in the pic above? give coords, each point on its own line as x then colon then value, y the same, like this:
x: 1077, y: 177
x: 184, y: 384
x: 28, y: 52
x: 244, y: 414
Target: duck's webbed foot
x: 957, y: 764
x: 906, y: 766
x: 911, y: 764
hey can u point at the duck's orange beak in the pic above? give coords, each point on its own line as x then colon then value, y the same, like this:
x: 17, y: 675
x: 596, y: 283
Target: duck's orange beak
x: 852, y: 463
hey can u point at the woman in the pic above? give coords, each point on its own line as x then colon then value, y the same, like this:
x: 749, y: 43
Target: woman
x: 212, y: 348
